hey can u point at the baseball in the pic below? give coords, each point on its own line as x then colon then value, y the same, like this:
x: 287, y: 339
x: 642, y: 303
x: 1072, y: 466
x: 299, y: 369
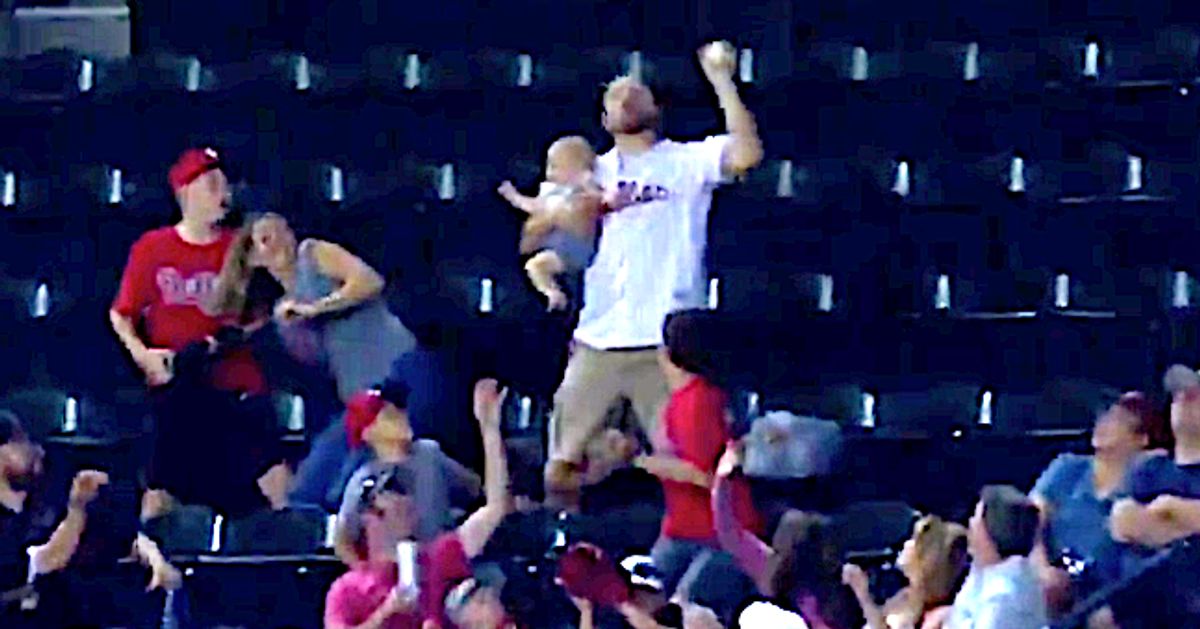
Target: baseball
x: 718, y: 53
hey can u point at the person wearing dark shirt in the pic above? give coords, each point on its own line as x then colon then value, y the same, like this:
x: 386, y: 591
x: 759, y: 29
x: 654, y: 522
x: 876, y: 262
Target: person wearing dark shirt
x: 38, y: 542
x: 1163, y: 507
x: 1164, y: 491
x: 213, y: 420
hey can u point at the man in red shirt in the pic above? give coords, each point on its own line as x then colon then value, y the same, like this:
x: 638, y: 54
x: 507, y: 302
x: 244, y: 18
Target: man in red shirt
x: 368, y: 596
x: 692, y: 437
x: 212, y: 435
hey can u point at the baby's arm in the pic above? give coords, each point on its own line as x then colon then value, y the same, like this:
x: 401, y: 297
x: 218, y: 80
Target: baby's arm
x: 529, y: 205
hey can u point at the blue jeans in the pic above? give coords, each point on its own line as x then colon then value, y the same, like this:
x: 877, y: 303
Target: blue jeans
x: 322, y: 475
x: 674, y: 557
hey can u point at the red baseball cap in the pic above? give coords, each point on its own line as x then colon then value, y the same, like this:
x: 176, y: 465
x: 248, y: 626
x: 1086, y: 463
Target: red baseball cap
x: 584, y: 571
x: 191, y: 164
x: 361, y: 411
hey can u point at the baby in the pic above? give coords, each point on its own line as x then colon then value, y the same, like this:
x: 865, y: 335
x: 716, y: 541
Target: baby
x: 562, y: 221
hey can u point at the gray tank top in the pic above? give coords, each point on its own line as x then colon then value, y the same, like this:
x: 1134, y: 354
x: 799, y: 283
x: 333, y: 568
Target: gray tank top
x: 357, y: 345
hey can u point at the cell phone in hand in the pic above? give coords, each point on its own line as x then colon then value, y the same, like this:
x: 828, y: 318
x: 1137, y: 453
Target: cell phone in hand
x: 406, y: 564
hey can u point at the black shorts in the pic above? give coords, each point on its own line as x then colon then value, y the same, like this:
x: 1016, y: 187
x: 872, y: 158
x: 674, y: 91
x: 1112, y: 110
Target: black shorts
x: 210, y: 447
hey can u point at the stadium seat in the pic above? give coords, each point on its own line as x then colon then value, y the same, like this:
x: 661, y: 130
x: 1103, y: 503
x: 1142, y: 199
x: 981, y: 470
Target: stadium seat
x: 875, y: 528
x: 941, y: 411
x: 46, y: 412
x: 184, y: 531
x: 1061, y: 405
x: 293, y: 531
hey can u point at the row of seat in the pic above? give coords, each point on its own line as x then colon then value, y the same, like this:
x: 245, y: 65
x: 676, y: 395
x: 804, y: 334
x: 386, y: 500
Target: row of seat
x: 337, y: 183
x: 1169, y: 57
x: 871, y: 407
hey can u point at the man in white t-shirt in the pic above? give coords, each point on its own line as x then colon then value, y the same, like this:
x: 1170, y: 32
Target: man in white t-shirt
x: 650, y: 259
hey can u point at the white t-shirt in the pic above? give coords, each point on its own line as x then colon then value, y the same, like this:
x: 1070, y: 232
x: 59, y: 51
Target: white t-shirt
x: 650, y: 260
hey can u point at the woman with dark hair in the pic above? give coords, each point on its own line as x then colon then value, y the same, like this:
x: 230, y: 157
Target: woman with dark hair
x: 802, y: 568
x: 692, y: 433
x: 330, y: 313
x: 1075, y: 496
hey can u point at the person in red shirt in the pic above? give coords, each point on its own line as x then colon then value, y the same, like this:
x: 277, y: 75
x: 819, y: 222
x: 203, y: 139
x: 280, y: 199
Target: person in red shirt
x: 691, y: 439
x: 212, y: 436
x: 368, y: 596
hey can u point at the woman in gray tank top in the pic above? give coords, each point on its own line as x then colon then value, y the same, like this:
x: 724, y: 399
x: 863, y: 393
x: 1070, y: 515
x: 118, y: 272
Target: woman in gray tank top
x: 332, y: 315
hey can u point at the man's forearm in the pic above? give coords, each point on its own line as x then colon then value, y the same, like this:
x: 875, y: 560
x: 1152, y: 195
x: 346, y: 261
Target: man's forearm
x: 1187, y: 515
x: 56, y: 553
x: 126, y: 331
x: 746, y: 149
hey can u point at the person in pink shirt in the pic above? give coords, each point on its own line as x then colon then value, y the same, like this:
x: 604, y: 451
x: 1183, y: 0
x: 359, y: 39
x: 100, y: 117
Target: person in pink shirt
x: 800, y: 570
x: 369, y: 595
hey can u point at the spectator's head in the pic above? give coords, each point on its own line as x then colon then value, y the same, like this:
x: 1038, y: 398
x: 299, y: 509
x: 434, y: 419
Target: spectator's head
x: 629, y: 108
x: 807, y: 559
x: 476, y: 603
x: 1005, y: 525
x: 20, y: 459
x: 199, y: 186
x: 761, y: 615
x: 935, y: 559
x: 1183, y: 383
x: 687, y: 344
x: 379, y: 419
x: 246, y: 262
x: 1125, y: 428
x: 383, y: 516
x: 570, y: 161
x: 273, y: 243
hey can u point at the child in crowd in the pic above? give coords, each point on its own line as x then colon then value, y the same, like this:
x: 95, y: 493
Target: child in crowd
x: 378, y: 419
x: 562, y: 226
x: 692, y: 437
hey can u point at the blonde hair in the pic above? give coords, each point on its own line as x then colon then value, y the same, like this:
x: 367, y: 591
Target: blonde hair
x: 576, y: 148
x: 941, y: 555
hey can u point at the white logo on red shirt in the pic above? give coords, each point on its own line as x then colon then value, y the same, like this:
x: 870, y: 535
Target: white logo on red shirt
x: 193, y: 290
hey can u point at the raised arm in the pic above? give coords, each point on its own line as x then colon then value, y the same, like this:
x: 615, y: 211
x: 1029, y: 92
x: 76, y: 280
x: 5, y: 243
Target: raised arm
x: 57, y: 552
x: 751, y: 553
x: 528, y: 205
x: 477, y: 530
x: 745, y: 150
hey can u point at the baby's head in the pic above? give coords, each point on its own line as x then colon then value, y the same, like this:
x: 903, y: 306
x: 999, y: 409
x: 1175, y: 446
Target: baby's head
x: 570, y: 161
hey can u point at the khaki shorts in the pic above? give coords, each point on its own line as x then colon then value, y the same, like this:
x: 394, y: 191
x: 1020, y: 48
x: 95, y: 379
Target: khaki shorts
x: 595, y: 380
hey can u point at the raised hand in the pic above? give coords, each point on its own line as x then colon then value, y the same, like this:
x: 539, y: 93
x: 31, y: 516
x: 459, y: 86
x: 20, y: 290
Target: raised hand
x: 86, y: 487
x: 489, y: 399
x: 719, y: 61
x: 854, y: 578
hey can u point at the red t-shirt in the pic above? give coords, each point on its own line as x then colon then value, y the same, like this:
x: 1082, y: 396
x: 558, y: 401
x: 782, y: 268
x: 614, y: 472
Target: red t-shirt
x: 696, y: 431
x: 165, y: 284
x: 358, y: 593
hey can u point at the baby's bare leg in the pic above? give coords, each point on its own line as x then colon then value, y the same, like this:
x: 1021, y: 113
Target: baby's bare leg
x: 542, y: 269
